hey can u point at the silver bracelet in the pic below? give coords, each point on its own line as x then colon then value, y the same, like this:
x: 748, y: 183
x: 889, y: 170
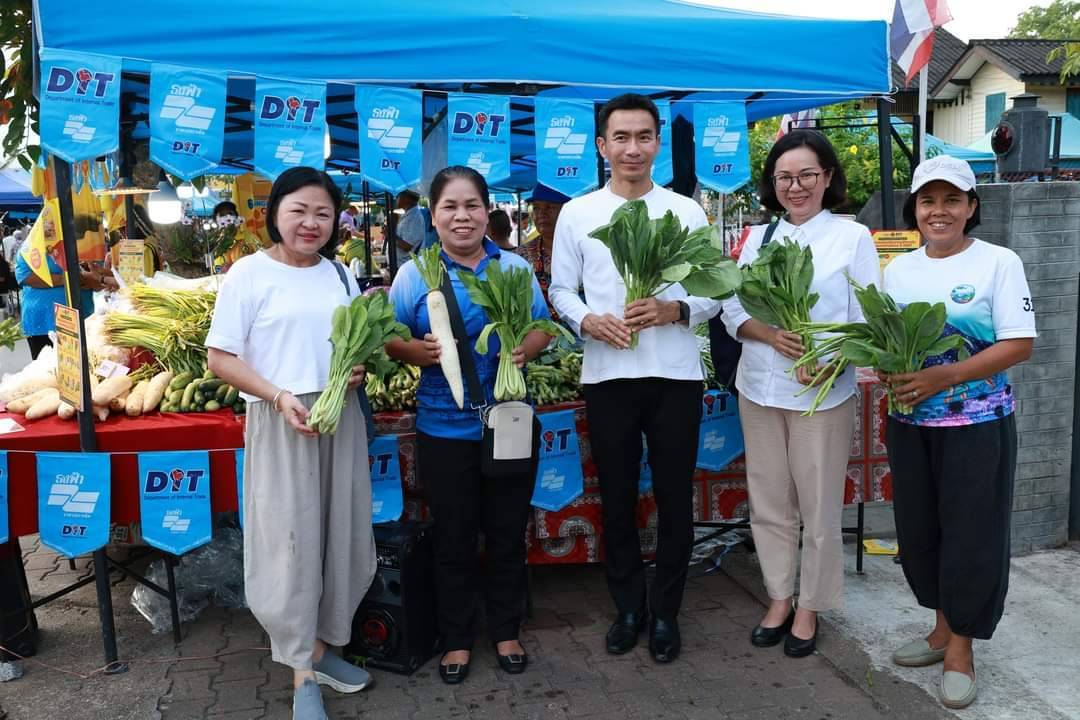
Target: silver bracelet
x: 274, y: 402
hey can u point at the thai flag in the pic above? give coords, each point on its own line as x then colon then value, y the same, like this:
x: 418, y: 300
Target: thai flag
x: 911, y: 34
x: 796, y: 121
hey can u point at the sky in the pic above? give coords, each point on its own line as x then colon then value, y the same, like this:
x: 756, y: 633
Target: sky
x: 972, y: 19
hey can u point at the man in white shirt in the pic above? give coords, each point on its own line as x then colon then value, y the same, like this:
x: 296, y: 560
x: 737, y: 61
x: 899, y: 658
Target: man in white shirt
x: 654, y: 389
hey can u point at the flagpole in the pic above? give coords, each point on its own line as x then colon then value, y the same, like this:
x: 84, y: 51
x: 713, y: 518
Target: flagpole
x: 922, y: 112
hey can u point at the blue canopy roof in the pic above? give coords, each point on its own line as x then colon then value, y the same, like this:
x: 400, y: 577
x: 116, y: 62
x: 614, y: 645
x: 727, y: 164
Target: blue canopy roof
x: 15, y: 189
x: 650, y: 44
x: 667, y: 48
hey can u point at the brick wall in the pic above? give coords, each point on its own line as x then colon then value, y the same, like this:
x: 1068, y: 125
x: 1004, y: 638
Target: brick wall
x: 1041, y: 223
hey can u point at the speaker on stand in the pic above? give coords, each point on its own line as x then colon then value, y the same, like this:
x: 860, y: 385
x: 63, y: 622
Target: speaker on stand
x: 395, y: 626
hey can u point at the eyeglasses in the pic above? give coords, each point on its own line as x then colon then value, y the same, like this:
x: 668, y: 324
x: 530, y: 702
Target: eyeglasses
x: 807, y: 180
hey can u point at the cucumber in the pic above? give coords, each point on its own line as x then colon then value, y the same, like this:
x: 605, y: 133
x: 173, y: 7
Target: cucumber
x: 180, y: 381
x: 222, y: 391
x: 211, y: 385
x: 209, y: 374
x: 175, y: 396
x: 231, y: 396
x: 212, y: 406
x: 188, y: 397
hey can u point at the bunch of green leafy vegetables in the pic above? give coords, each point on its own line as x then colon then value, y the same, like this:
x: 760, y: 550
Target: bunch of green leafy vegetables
x: 775, y: 287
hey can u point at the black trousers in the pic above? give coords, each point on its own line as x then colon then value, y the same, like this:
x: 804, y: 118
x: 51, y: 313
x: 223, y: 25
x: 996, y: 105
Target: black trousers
x: 37, y: 343
x: 952, y: 498
x: 668, y: 412
x: 464, y: 502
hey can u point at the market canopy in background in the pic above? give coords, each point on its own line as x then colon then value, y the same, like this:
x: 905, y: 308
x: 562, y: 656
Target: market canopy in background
x: 673, y: 50
x: 15, y: 190
x: 1070, y: 143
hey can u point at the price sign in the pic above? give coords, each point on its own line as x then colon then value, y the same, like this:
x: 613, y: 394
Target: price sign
x: 130, y: 254
x: 69, y: 356
x: 890, y: 243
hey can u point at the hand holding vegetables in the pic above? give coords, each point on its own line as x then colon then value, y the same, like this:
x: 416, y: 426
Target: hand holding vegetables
x: 356, y: 379
x: 607, y: 328
x: 295, y: 414
x: 429, y: 263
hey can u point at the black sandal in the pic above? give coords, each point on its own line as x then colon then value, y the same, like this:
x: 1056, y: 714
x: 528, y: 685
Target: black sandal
x: 514, y: 663
x: 453, y: 673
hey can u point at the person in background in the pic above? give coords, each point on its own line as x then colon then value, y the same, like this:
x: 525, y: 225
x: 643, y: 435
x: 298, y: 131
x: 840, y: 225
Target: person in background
x: 953, y: 459
x: 415, y: 230
x: 309, y: 552
x: 347, y: 219
x: 12, y: 243
x: 38, y: 297
x: 654, y: 389
x: 546, y: 206
x: 462, y: 499
x: 498, y: 229
x: 796, y: 464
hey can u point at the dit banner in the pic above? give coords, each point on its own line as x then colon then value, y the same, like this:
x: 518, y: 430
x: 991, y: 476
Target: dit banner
x: 187, y: 119
x: 174, y: 500
x: 663, y: 171
x: 721, y: 145
x: 74, y: 501
x: 480, y: 134
x: 80, y: 104
x: 391, y: 136
x: 387, y: 501
x: 290, y: 125
x: 720, y: 438
x: 566, y: 145
x: 559, y: 479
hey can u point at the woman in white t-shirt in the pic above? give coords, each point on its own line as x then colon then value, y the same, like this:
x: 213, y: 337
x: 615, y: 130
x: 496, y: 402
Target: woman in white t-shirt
x: 309, y: 554
x: 953, y: 458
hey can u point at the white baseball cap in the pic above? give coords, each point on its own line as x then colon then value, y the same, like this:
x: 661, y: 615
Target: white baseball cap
x: 943, y: 167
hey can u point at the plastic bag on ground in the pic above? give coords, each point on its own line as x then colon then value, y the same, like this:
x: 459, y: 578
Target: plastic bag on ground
x: 213, y: 573
x: 710, y: 553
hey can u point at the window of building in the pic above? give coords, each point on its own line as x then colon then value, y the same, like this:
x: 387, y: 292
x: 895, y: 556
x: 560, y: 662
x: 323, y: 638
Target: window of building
x: 995, y: 105
x: 1072, y: 102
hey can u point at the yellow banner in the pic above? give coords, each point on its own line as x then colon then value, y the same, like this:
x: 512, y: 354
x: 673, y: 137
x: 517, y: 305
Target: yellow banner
x: 69, y: 356
x: 891, y: 243
x: 131, y: 265
x: 251, y: 195
x: 44, y: 236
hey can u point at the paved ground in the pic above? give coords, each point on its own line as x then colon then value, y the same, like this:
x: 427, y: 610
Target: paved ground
x: 719, y: 677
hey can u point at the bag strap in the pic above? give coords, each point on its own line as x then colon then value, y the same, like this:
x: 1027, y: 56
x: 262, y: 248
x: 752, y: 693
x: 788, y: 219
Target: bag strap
x: 461, y: 338
x: 341, y: 276
x: 769, y: 232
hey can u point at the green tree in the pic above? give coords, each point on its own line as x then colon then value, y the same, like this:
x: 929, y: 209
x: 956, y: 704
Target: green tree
x: 1060, y: 20
x: 18, y: 108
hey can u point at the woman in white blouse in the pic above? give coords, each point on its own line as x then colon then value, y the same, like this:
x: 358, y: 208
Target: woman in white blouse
x: 796, y: 465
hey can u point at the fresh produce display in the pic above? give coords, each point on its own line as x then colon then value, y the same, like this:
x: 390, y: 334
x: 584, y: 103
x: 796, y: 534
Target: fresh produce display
x: 192, y: 392
x: 430, y: 265
x: 10, y: 333
x: 506, y: 296
x: 653, y: 255
x: 172, y: 324
x: 775, y: 287
x: 358, y: 333
x: 555, y: 376
x: 396, y: 390
x: 892, y: 340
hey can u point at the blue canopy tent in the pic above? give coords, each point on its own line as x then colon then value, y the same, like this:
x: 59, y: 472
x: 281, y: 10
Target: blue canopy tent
x: 665, y: 48
x: 15, y: 196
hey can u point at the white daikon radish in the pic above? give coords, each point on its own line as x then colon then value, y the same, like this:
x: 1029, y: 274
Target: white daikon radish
x: 430, y: 265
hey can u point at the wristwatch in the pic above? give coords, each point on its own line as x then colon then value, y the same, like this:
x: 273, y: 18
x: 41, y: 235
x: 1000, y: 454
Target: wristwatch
x: 684, y: 312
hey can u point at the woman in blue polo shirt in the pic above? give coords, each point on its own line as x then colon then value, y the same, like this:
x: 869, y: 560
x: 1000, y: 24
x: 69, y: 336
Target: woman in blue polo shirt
x: 462, y: 500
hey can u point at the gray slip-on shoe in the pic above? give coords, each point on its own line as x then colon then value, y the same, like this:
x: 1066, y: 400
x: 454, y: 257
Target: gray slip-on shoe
x: 307, y: 702
x: 918, y: 653
x: 340, y: 674
x: 958, y: 690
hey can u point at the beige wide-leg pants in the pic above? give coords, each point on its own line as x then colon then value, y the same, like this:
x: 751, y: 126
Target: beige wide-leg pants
x: 309, y: 553
x: 795, y: 469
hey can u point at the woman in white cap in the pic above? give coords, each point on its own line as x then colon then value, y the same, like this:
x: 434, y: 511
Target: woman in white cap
x: 953, y: 458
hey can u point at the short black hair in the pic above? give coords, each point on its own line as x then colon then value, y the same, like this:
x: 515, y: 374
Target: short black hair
x: 626, y: 101
x: 971, y: 224
x: 499, y: 223
x: 295, y: 179
x: 835, y: 193
x: 444, y: 176
x: 225, y: 207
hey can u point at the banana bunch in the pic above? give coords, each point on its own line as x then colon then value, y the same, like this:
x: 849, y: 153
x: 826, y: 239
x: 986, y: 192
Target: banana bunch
x: 352, y: 249
x: 555, y: 377
x: 395, y: 391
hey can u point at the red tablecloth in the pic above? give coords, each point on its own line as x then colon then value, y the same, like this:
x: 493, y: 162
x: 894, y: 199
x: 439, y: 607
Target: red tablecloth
x: 219, y: 432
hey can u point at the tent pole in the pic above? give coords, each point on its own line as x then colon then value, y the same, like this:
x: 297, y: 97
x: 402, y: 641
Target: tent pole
x: 518, y: 195
x: 888, y: 202
x: 87, y: 439
x: 389, y: 244
x: 366, y: 189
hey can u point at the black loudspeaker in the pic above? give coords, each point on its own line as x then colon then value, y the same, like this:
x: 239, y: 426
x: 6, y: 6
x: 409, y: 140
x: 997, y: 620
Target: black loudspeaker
x: 395, y: 626
x: 18, y: 626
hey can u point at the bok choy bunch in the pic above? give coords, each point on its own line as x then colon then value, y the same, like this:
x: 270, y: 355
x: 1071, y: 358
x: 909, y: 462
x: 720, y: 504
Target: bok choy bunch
x: 652, y: 255
x: 506, y: 296
x: 892, y: 340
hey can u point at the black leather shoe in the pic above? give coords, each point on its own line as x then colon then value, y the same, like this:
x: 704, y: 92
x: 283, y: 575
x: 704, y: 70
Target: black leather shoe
x: 796, y: 647
x: 664, y: 640
x: 623, y: 633
x: 453, y: 673
x: 769, y: 636
x: 514, y: 664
